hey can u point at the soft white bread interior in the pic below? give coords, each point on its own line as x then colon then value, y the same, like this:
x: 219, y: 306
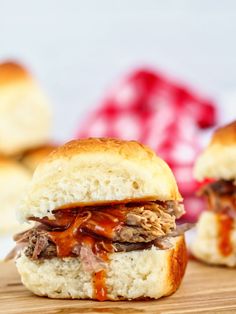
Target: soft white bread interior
x: 93, y: 171
x: 219, y: 158
x: 206, y: 243
x: 148, y: 273
x: 13, y: 182
x: 25, y: 116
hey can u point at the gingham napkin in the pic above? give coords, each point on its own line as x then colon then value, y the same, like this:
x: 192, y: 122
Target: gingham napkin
x: 165, y: 115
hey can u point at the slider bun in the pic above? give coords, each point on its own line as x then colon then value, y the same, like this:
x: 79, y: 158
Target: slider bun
x: 205, y: 245
x: 13, y: 181
x: 24, y: 112
x: 219, y: 158
x: 96, y: 171
x: 148, y: 273
x: 33, y: 157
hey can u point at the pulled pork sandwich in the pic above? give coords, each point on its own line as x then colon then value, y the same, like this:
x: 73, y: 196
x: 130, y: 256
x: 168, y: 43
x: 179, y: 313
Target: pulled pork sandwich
x: 215, y: 242
x: 105, y: 224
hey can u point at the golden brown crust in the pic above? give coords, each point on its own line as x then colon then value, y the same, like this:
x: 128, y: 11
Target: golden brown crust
x: 7, y: 163
x: 177, y: 263
x: 4, y: 161
x: 225, y: 135
x: 126, y: 149
x: 12, y: 71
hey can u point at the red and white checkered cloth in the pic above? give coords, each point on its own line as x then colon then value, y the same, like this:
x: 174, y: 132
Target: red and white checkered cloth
x: 166, y: 116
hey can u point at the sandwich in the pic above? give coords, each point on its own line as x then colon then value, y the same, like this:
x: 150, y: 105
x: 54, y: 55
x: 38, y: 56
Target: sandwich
x: 215, y: 241
x: 25, y: 115
x: 105, y: 228
x: 14, y: 179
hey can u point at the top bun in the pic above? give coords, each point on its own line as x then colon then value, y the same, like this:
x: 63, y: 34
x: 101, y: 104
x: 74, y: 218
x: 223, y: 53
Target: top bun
x: 218, y: 161
x: 97, y: 171
x: 25, y: 116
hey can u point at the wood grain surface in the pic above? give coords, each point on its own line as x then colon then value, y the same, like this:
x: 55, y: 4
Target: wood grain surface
x: 204, y: 290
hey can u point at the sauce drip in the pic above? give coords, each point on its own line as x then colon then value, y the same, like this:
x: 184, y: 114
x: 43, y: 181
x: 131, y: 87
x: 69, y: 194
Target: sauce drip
x: 100, y: 289
x: 94, y: 229
x: 225, y: 225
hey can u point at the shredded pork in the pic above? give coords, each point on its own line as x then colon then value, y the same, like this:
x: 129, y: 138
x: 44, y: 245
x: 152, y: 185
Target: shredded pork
x: 220, y: 196
x: 144, y: 225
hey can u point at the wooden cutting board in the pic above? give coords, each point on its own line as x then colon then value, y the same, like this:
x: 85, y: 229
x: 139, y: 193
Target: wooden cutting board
x: 204, y: 290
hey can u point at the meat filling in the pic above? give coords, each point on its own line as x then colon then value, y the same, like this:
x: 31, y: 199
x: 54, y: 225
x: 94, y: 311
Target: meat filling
x: 220, y: 196
x: 122, y: 228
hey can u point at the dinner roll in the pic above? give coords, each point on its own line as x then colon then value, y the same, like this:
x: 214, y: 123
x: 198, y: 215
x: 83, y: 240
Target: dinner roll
x: 25, y: 116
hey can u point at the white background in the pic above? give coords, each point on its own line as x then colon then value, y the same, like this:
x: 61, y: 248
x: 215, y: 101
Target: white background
x: 77, y: 49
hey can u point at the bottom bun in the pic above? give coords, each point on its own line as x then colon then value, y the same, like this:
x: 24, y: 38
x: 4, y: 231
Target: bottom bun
x: 206, y: 244
x: 151, y: 273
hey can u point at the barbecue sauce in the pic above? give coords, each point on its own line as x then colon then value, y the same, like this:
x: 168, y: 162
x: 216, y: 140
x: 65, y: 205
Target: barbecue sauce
x: 99, y: 283
x: 221, y: 199
x: 225, y: 225
x: 94, y: 229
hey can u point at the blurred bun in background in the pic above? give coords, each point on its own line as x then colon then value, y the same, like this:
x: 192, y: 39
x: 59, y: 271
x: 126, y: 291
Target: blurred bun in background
x: 25, y: 124
x: 14, y: 179
x: 25, y: 115
x: 31, y: 158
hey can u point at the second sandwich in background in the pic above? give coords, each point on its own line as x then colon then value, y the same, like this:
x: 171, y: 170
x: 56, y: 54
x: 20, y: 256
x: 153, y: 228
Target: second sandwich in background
x: 215, y: 242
